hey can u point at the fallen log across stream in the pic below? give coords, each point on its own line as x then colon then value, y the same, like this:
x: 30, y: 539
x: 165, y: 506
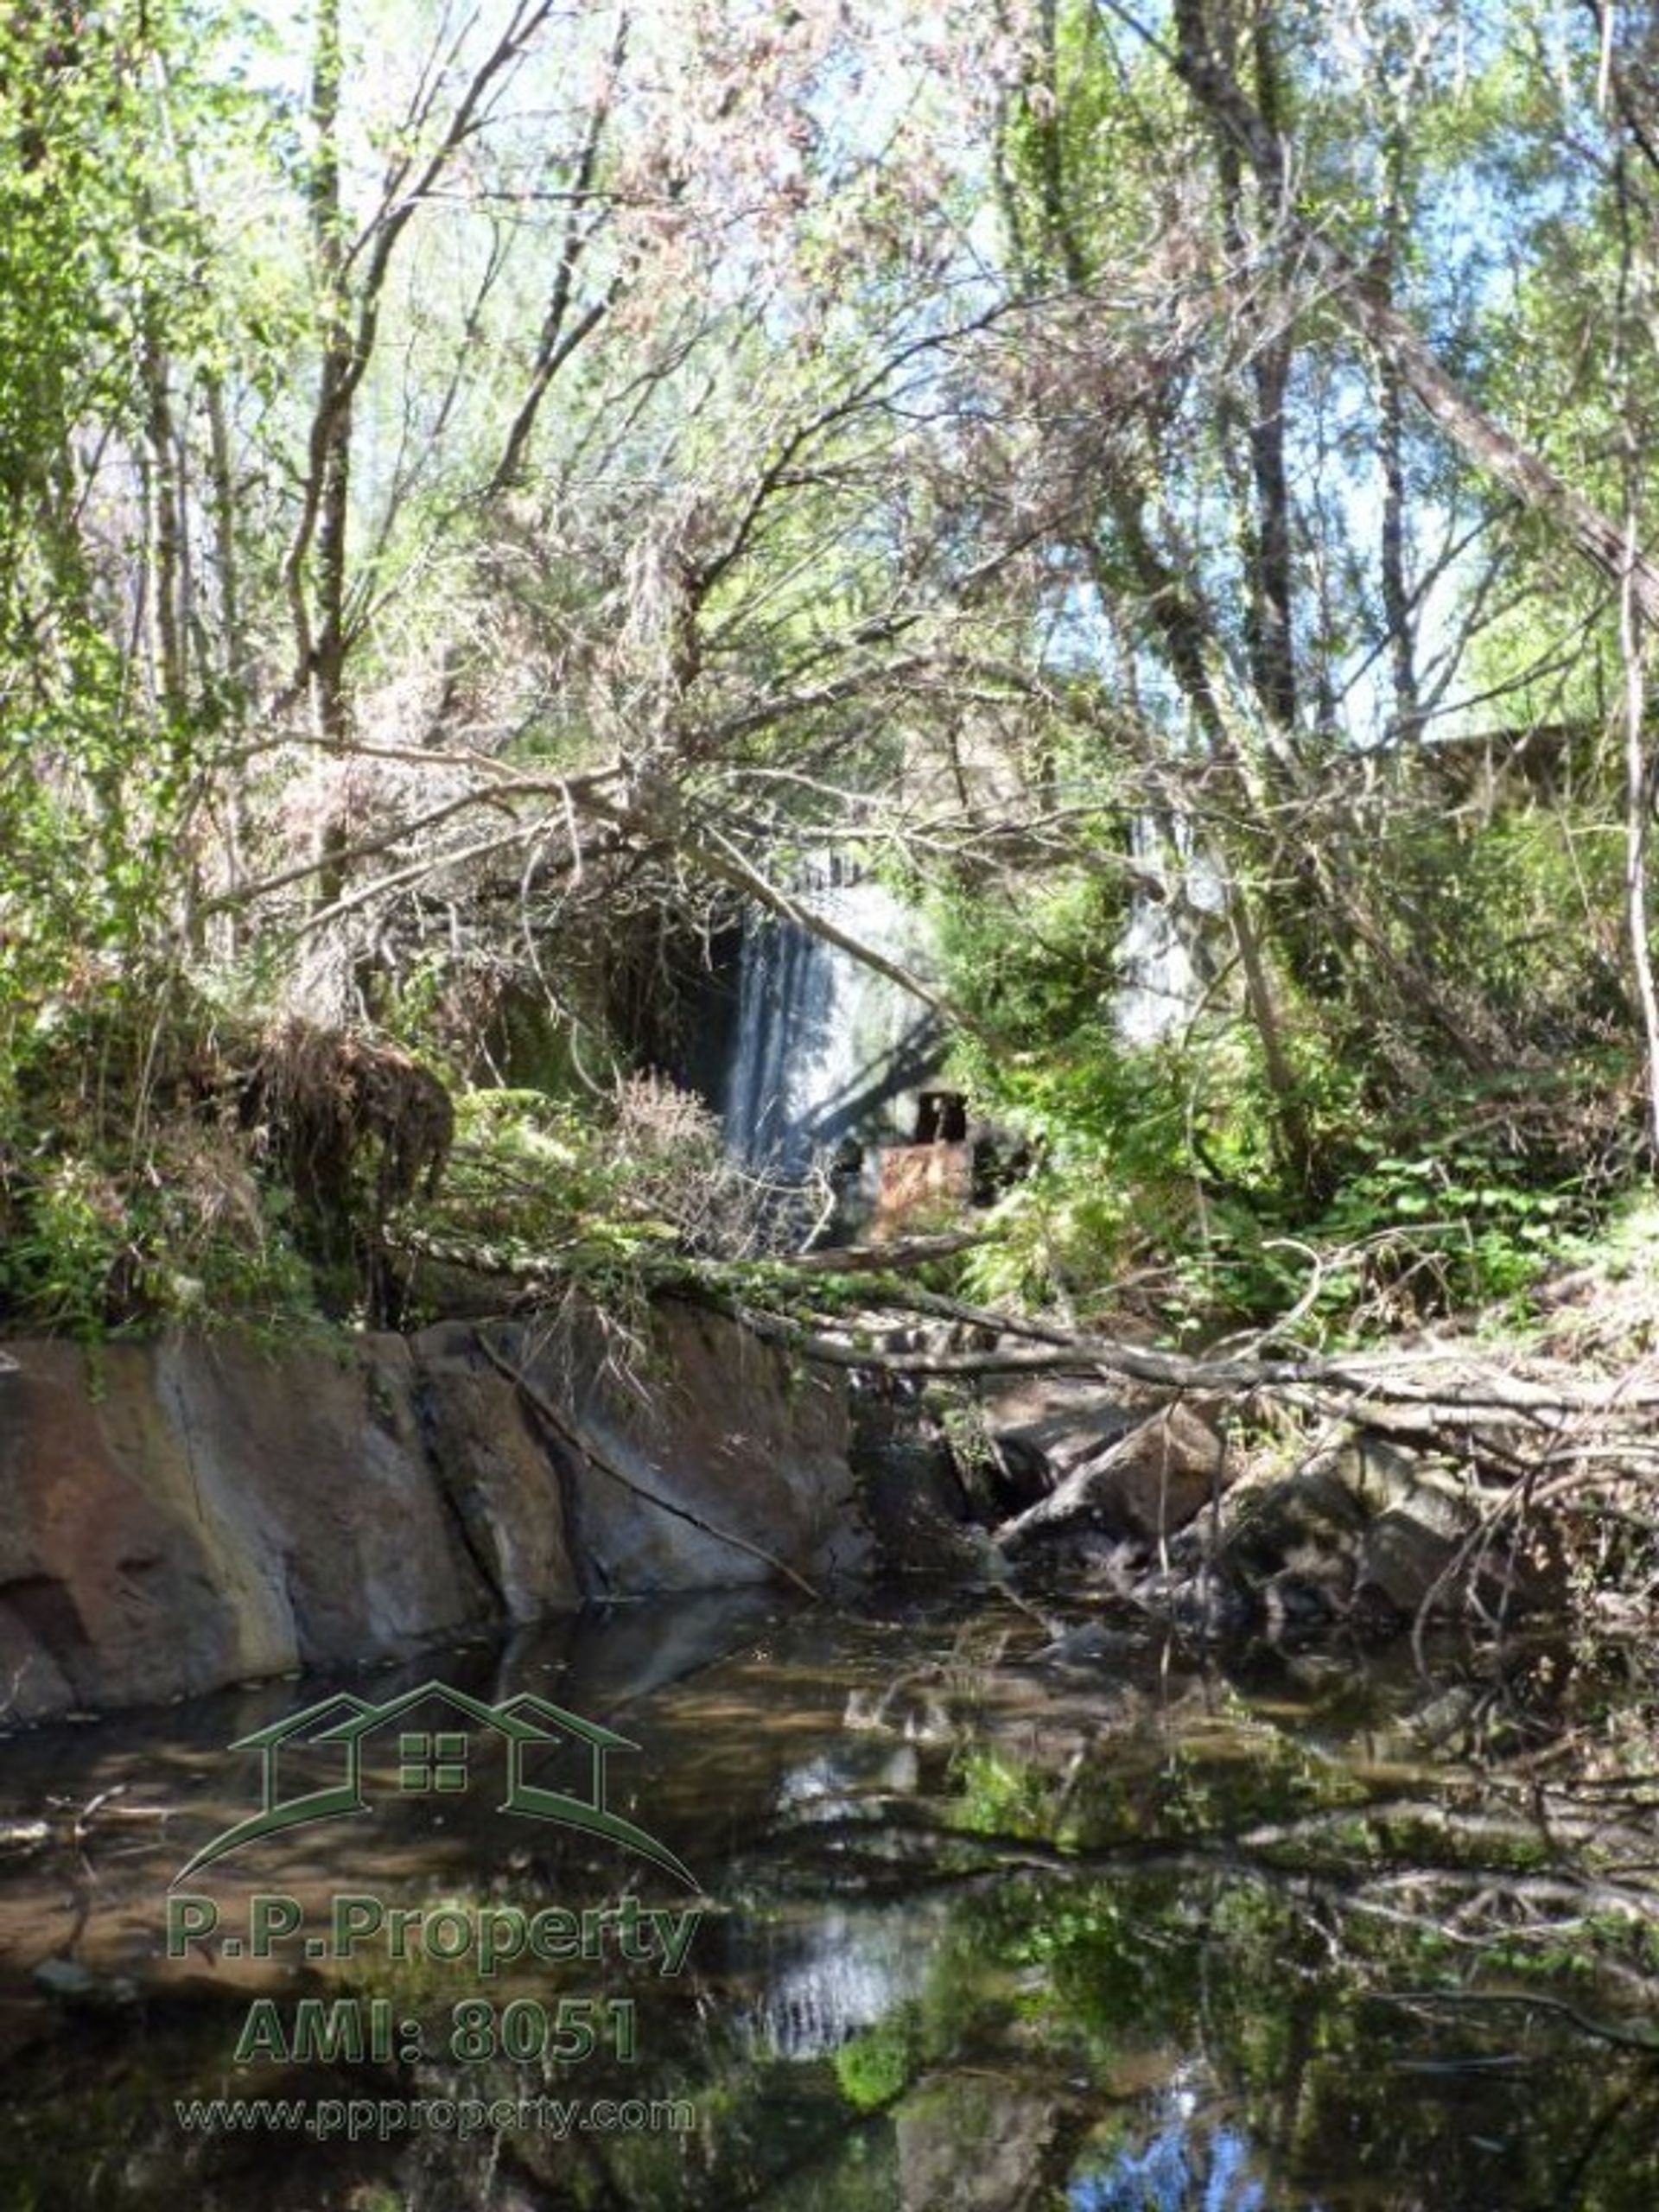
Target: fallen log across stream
x: 1450, y: 1381
x: 1247, y: 1480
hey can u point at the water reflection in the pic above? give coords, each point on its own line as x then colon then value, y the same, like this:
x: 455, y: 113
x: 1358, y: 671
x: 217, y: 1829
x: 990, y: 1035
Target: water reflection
x: 823, y: 1978
x: 1181, y: 2166
x: 979, y: 1932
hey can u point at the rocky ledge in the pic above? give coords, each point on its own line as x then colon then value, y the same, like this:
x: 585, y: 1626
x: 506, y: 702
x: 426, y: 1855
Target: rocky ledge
x: 182, y: 1514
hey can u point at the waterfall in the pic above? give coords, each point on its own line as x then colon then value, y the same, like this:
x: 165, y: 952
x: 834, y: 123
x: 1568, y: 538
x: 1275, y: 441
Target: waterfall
x: 1174, y: 890
x: 825, y: 1047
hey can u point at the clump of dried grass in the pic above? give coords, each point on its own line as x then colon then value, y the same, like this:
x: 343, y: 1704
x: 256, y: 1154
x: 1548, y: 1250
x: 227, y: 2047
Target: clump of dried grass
x: 666, y: 1148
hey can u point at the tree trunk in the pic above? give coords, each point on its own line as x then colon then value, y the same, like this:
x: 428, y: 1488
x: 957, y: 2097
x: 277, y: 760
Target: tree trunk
x: 1493, y: 449
x: 319, y: 544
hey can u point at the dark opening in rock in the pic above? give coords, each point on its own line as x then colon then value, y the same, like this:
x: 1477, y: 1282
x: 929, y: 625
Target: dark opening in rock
x: 941, y: 1117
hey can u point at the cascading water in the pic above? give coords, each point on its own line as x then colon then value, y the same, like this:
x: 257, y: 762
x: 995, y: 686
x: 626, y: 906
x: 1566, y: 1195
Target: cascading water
x: 826, y: 1048
x: 1160, y: 986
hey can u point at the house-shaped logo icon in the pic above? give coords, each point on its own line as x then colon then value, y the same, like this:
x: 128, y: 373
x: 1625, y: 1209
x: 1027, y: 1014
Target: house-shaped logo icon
x: 434, y: 1760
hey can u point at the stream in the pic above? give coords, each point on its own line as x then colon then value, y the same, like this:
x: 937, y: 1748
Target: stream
x: 951, y: 1907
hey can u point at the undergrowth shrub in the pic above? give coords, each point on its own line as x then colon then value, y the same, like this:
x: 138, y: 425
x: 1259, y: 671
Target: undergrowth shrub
x: 542, y: 1182
x: 1162, y: 1167
x: 106, y: 1223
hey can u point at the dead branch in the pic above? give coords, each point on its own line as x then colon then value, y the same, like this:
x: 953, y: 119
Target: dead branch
x: 1445, y: 1385
x: 896, y: 1258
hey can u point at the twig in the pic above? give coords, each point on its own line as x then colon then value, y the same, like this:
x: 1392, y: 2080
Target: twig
x: 880, y: 1259
x: 1479, y: 1393
x: 1535, y: 2000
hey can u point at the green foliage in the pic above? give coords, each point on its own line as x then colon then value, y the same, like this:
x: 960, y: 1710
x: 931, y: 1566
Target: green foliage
x: 525, y: 1174
x: 874, y: 2069
x: 642, y: 1174
x: 103, y: 261
x: 994, y: 1795
x: 1161, y: 1159
x: 1111, y: 1127
x: 1057, y: 1234
x: 195, y: 1240
x: 1441, y: 1231
x: 1624, y: 1246
x: 737, y: 560
x: 1516, y: 911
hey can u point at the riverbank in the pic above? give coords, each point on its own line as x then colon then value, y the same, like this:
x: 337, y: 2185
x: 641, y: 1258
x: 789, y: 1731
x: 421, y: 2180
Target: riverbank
x: 199, y: 1510
x: 195, y: 1510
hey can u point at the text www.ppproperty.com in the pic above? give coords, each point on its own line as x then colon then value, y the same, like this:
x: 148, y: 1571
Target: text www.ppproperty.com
x: 355, y: 2119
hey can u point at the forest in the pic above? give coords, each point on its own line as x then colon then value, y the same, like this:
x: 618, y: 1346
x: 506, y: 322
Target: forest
x: 550, y: 552
x: 496, y: 502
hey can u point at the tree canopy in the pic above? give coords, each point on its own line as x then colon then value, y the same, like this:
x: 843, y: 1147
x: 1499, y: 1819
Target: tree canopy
x: 486, y: 494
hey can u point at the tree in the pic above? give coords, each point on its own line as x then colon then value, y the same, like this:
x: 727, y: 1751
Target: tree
x: 664, y: 443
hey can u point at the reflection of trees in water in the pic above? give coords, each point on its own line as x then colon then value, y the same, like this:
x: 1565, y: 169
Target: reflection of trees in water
x: 1226, y: 2043
x: 1286, y: 1936
x: 1181, y: 2166
x: 1383, y: 1974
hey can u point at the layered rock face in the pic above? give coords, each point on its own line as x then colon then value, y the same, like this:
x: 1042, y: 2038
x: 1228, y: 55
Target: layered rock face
x: 183, y: 1514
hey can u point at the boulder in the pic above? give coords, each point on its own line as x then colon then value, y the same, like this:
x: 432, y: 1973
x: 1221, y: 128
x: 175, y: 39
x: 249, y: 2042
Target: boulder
x: 1373, y: 1526
x: 184, y: 1514
x: 701, y: 1435
x: 1045, y: 1426
x: 1147, y: 1477
x: 507, y: 1496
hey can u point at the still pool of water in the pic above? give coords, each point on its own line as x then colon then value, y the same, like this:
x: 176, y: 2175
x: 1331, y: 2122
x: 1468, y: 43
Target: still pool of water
x: 977, y: 1923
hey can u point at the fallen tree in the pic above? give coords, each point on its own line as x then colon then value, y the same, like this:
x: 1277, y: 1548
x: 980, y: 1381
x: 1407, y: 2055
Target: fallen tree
x: 1249, y: 1478
x: 1425, y: 1380
x: 1400, y: 1484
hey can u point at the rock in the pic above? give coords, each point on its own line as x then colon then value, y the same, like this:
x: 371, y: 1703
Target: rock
x: 1045, y: 1428
x: 1373, y: 1529
x: 1427, y: 1541
x: 496, y: 1473
x: 913, y: 1495
x: 1091, y: 1647
x: 1158, y: 1477
x: 65, y: 1978
x: 1305, y: 1531
x: 324, y: 1503
x: 1411, y: 1543
x: 1142, y: 1486
x: 713, y: 1427
x: 194, y: 1512
x: 197, y: 1511
x: 32, y: 1684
